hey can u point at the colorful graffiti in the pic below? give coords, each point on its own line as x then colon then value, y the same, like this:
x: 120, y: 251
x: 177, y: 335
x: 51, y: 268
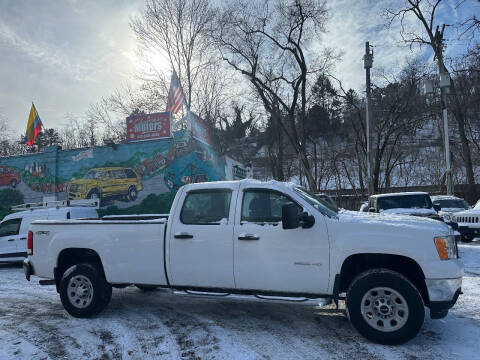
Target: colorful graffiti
x: 122, y: 176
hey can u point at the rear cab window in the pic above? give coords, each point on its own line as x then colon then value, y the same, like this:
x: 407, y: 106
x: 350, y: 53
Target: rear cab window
x: 206, y: 207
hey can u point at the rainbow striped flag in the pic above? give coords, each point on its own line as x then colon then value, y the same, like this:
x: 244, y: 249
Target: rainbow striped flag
x: 34, y: 126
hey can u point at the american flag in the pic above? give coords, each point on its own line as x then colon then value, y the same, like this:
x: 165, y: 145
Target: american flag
x: 175, y: 95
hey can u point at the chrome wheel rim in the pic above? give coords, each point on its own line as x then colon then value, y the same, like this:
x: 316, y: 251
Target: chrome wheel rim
x: 384, y: 309
x: 80, y: 291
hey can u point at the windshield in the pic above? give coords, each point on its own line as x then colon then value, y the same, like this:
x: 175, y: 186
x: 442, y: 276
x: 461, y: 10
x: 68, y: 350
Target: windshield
x: 404, y: 202
x: 453, y: 203
x: 324, y: 207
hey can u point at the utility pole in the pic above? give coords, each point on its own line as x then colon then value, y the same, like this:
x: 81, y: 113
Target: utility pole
x: 367, y: 64
x: 444, y: 83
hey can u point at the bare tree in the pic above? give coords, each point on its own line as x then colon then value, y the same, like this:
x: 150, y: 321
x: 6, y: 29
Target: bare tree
x: 426, y: 15
x: 270, y: 44
x: 176, y: 28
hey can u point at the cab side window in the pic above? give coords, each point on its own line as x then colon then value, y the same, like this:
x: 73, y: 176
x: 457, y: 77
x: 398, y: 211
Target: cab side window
x: 206, y: 207
x: 130, y: 174
x: 264, y: 206
x: 10, y: 227
x: 119, y: 174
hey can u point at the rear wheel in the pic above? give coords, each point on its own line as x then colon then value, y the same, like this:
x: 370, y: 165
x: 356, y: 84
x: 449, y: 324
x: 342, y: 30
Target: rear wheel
x: 467, y: 239
x: 385, y: 307
x: 95, y: 195
x: 132, y: 193
x: 84, y: 292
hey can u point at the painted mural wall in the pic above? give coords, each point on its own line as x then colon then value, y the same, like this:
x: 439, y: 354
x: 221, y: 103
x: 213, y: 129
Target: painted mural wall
x: 122, y: 175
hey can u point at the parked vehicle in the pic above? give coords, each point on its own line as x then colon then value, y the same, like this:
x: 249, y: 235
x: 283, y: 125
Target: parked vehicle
x: 14, y: 227
x: 270, y: 240
x: 100, y: 183
x: 409, y: 203
x: 8, y: 176
x: 468, y: 223
x: 449, y: 205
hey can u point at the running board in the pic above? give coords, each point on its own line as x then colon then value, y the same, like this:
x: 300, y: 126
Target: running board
x: 274, y: 299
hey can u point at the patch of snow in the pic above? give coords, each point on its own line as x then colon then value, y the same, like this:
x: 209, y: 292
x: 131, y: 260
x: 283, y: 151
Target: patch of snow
x: 409, y: 211
x: 393, y: 219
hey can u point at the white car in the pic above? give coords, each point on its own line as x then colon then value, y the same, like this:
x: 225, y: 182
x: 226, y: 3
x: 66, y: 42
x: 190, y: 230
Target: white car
x: 468, y: 223
x: 14, y: 227
x: 265, y: 240
x: 449, y: 205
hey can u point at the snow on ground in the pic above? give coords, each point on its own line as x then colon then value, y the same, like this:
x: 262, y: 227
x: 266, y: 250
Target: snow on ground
x: 159, y: 325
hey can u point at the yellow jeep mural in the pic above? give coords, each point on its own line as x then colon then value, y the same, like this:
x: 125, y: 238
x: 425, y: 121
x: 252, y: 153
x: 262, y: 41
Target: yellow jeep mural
x: 99, y: 183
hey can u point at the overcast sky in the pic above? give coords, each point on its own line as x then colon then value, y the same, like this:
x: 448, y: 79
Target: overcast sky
x: 64, y: 55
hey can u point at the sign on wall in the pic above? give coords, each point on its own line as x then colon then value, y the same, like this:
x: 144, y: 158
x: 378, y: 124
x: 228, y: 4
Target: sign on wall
x: 148, y: 126
x: 199, y: 128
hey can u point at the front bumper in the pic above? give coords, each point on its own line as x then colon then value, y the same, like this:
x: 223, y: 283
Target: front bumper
x: 27, y: 269
x: 76, y: 196
x: 443, y: 294
x: 469, y: 231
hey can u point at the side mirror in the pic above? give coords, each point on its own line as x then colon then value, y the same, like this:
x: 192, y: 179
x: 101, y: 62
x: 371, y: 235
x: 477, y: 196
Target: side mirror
x: 437, y: 207
x: 290, y: 218
x: 306, y: 220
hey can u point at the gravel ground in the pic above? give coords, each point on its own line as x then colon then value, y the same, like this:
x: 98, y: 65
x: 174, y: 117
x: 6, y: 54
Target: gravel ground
x: 160, y: 325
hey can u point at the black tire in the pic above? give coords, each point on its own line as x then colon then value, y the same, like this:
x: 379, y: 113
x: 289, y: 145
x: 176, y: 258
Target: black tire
x: 95, y: 194
x: 364, y: 285
x: 147, y: 287
x: 132, y: 193
x: 101, y: 291
x: 467, y: 239
x: 14, y: 183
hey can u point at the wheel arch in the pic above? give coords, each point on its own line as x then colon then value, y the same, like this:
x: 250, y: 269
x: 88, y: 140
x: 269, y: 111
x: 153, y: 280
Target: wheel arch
x: 355, y: 264
x: 72, y: 256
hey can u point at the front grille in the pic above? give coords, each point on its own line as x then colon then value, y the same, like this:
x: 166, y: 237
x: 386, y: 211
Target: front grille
x: 73, y: 187
x: 466, y: 219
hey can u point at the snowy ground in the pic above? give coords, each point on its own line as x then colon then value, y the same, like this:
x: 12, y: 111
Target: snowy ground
x: 158, y: 325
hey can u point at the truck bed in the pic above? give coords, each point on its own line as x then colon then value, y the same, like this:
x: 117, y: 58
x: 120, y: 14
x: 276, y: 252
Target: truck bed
x: 129, y: 253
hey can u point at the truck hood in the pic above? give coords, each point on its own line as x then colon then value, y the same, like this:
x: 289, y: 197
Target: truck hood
x: 416, y: 212
x: 471, y: 212
x: 393, y: 222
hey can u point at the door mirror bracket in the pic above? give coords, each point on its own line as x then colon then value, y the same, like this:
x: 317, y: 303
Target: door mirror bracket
x: 306, y: 220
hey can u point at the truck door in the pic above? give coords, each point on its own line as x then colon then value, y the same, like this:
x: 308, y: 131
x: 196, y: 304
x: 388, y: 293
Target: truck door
x: 268, y: 257
x: 9, y: 238
x: 201, y: 238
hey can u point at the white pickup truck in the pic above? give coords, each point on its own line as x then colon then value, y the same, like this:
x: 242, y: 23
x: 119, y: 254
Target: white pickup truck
x: 269, y: 240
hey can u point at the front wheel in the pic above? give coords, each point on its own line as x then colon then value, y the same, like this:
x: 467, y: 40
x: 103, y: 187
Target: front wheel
x: 385, y: 307
x: 84, y: 292
x: 467, y: 239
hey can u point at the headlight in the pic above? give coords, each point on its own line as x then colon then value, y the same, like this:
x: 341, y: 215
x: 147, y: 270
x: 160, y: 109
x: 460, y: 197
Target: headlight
x: 447, y: 217
x: 446, y: 247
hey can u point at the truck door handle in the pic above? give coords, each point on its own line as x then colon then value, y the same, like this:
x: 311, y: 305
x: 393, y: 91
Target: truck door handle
x: 23, y: 238
x: 248, y: 237
x: 183, y: 236
x: 11, y: 239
